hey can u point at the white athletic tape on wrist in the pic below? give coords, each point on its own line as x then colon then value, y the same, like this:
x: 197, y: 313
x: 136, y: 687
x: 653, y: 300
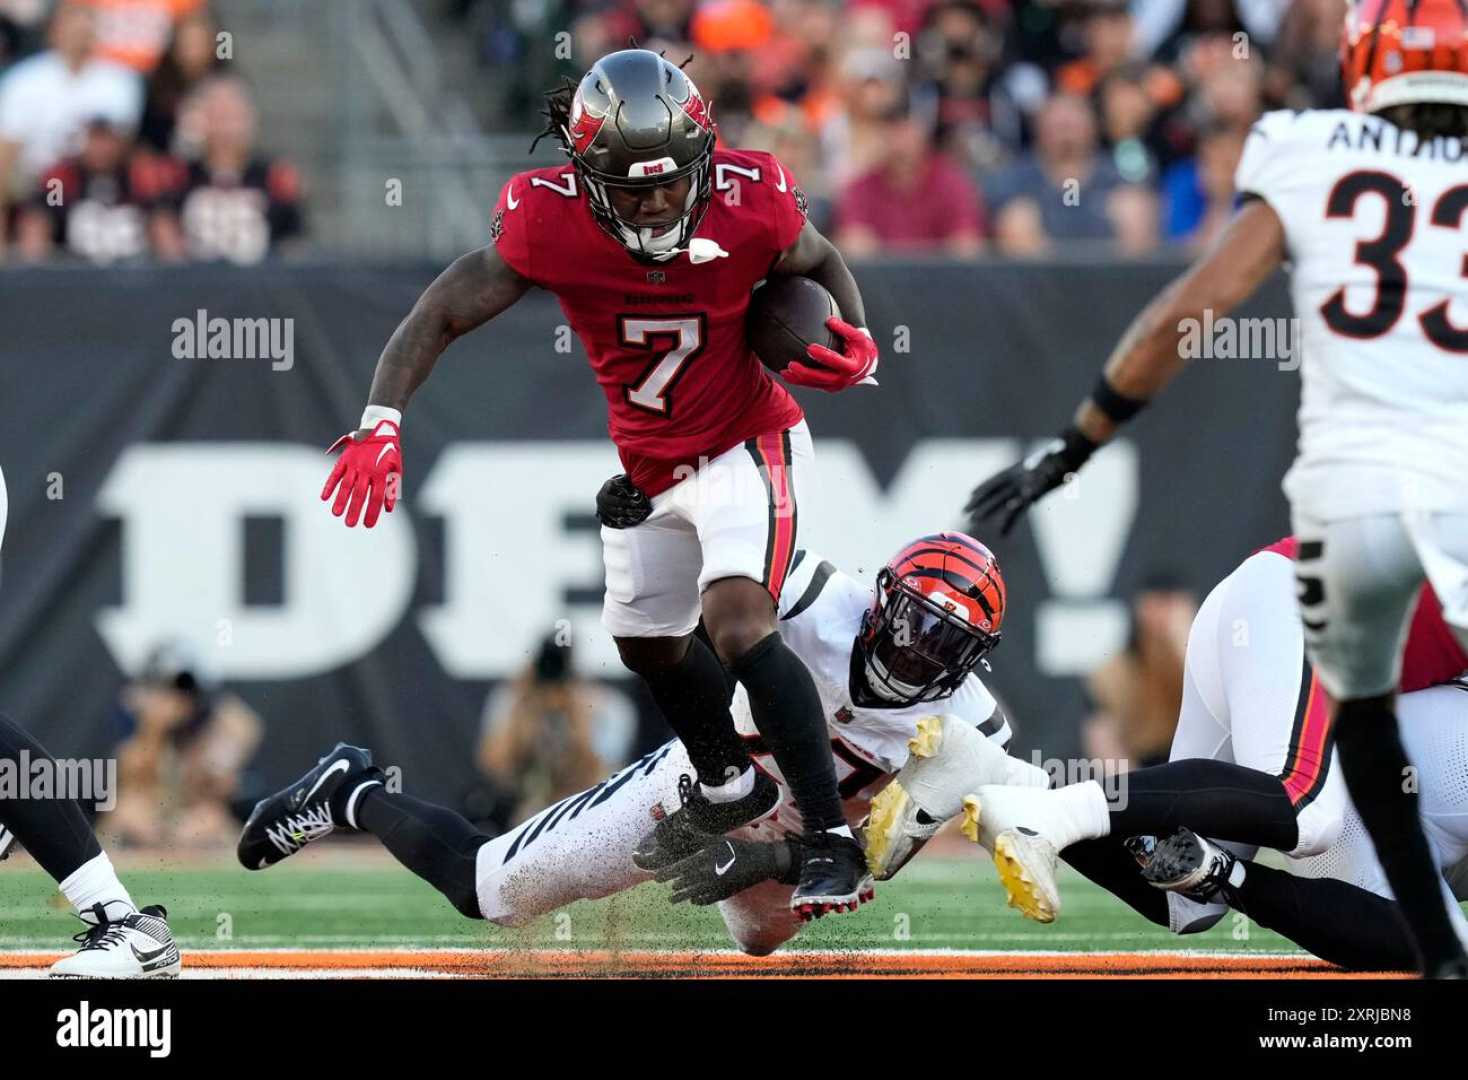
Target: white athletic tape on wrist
x: 376, y: 414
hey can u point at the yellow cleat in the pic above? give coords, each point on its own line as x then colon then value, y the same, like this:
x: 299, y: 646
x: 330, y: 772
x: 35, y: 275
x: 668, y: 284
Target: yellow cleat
x: 884, y: 825
x: 946, y: 757
x: 1012, y: 860
x: 1026, y: 862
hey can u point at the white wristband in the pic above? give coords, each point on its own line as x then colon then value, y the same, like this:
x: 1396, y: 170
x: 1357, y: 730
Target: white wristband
x: 373, y: 415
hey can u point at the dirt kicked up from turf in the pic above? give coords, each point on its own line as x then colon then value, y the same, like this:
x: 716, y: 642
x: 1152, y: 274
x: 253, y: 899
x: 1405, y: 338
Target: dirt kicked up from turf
x: 605, y: 964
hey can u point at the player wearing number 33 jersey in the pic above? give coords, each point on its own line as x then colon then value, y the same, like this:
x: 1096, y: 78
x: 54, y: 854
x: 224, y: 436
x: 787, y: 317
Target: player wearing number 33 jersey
x: 1375, y: 219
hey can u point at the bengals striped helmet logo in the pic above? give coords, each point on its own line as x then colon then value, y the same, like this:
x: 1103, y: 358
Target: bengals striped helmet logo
x: 938, y: 611
x: 1399, y: 52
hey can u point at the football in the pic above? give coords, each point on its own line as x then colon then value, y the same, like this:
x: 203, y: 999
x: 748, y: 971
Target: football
x: 786, y: 314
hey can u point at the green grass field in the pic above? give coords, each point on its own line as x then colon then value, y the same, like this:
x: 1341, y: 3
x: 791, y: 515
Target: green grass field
x: 345, y: 896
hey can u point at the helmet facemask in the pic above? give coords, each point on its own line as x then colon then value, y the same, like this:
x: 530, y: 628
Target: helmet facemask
x: 662, y: 242
x: 912, y: 649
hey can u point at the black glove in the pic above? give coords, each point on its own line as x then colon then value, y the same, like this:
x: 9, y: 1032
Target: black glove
x: 728, y: 866
x: 1012, y: 491
x: 619, y: 505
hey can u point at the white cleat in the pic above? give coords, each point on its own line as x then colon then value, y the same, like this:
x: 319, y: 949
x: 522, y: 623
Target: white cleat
x: 947, y: 759
x: 137, y: 945
x: 1011, y: 824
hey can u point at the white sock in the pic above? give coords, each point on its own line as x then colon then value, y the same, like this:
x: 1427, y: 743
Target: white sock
x: 730, y: 790
x: 95, y: 882
x: 1084, y: 812
x: 1020, y: 773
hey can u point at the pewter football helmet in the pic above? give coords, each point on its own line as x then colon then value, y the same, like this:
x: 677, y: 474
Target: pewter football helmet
x: 635, y: 121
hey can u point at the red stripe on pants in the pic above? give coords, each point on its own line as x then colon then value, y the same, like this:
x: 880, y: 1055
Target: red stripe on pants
x: 1310, y: 753
x: 781, y: 548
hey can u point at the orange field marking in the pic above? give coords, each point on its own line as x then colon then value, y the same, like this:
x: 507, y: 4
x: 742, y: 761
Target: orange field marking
x: 601, y: 963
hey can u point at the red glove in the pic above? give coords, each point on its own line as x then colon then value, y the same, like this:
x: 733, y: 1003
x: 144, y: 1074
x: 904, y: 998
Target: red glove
x: 833, y: 371
x: 369, y: 471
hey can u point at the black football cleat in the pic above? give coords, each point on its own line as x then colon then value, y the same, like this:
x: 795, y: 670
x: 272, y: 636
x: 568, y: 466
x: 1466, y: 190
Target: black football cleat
x: 698, y: 820
x: 833, y: 876
x: 301, y: 814
x: 1187, y: 864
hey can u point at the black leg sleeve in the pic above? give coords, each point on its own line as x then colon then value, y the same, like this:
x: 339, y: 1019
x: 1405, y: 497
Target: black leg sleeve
x: 1376, y: 771
x: 1334, y: 920
x: 787, y: 711
x: 693, y: 696
x: 1213, y: 798
x: 432, y: 841
x: 1110, y: 865
x: 53, y: 830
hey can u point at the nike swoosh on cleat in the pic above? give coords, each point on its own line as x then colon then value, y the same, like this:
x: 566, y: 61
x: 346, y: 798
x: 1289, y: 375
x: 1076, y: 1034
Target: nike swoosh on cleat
x: 340, y: 765
x: 146, y: 957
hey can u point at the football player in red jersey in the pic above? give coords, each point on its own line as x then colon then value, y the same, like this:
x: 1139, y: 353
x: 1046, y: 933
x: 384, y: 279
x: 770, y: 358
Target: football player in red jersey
x: 652, y: 239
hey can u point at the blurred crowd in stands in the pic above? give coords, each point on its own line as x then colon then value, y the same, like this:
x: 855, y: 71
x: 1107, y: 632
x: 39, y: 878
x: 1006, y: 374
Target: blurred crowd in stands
x: 1013, y: 127
x: 125, y: 134
x: 958, y: 127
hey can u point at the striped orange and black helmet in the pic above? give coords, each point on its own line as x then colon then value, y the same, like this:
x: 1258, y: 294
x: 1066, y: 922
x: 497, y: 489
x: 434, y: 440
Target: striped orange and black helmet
x: 1399, y: 52
x: 938, y: 611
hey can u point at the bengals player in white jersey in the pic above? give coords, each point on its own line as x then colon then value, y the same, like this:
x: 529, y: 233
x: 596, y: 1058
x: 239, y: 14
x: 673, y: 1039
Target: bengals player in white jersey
x: 895, y: 667
x: 1368, y: 205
